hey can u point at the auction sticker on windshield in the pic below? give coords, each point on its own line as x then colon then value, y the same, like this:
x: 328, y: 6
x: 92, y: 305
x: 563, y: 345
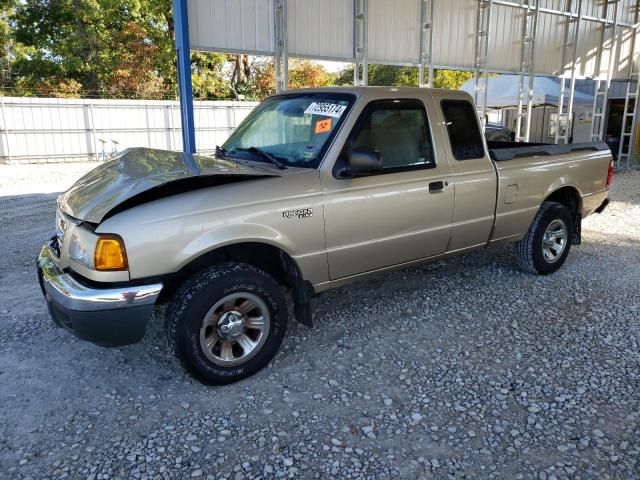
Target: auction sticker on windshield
x: 323, y: 125
x: 326, y: 109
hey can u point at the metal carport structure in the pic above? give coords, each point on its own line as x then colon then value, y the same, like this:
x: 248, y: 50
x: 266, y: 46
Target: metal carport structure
x: 569, y: 39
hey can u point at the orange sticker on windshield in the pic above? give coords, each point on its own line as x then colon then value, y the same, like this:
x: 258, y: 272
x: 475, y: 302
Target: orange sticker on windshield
x: 323, y: 126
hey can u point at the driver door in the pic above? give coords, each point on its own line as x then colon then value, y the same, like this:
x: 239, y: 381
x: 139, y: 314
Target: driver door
x: 401, y: 214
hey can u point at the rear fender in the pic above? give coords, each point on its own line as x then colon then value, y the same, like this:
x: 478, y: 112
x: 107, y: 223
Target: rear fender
x: 561, y: 182
x: 566, y: 182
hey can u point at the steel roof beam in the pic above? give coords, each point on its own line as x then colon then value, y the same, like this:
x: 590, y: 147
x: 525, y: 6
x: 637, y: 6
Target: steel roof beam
x: 281, y: 47
x: 425, y: 59
x: 527, y: 69
x: 185, y: 89
x: 360, y: 42
x: 481, y: 52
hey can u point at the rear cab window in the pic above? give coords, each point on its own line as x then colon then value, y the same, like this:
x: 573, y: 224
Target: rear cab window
x: 463, y: 129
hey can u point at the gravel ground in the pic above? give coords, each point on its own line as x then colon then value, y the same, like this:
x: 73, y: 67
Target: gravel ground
x: 466, y: 368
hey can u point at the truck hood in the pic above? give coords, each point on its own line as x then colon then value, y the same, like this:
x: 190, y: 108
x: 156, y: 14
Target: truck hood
x: 141, y: 175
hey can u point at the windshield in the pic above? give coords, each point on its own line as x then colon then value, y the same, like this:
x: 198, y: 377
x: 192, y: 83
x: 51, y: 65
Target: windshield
x: 296, y: 129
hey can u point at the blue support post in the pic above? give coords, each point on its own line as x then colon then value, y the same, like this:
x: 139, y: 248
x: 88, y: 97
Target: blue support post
x: 181, y: 26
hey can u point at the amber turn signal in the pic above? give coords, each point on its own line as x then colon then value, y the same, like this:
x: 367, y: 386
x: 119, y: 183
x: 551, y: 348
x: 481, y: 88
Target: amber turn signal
x: 110, y: 254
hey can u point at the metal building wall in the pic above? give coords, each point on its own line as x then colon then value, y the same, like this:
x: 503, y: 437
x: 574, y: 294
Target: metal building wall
x: 505, y: 37
x: 321, y: 29
x: 450, y: 44
x: 551, y: 29
x: 232, y: 26
x: 325, y: 30
x: 34, y: 130
x: 401, y: 47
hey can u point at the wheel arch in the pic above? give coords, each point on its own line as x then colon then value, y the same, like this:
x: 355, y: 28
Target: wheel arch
x: 567, y: 195
x: 570, y: 197
x: 268, y: 257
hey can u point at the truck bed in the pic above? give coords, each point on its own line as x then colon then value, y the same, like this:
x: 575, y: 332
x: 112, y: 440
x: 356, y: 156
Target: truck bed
x: 529, y: 173
x: 503, y: 151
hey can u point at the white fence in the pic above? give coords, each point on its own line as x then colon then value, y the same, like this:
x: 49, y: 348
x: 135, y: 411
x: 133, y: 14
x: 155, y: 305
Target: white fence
x: 39, y: 130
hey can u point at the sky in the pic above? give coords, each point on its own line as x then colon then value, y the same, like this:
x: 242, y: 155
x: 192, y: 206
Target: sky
x: 333, y: 67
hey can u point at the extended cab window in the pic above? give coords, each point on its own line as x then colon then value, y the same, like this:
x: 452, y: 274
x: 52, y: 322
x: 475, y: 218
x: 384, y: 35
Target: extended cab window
x: 398, y: 129
x: 463, y: 129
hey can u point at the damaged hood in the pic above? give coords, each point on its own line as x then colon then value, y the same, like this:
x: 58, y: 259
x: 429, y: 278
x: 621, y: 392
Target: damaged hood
x: 139, y: 175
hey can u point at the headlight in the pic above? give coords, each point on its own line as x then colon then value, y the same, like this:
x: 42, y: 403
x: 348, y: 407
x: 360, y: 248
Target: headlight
x: 82, y: 246
x: 97, y: 252
x: 61, y: 226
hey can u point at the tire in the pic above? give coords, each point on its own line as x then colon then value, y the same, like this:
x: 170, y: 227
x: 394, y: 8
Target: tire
x: 209, y: 341
x: 533, y: 255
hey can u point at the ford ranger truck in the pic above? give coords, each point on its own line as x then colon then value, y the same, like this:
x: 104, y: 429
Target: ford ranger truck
x: 316, y: 188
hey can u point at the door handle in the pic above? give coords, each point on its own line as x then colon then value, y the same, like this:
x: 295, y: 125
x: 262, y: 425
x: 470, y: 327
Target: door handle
x: 436, y: 186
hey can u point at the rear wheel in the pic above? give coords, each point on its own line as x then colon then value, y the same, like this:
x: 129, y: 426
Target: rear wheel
x: 546, y: 244
x: 226, y: 323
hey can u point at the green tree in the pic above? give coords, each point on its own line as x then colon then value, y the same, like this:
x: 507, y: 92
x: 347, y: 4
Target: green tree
x: 98, y: 44
x: 451, y: 79
x: 10, y: 50
x: 302, y: 73
x: 391, y: 75
x: 65, y: 40
x: 382, y: 75
x: 208, y: 77
x: 134, y: 74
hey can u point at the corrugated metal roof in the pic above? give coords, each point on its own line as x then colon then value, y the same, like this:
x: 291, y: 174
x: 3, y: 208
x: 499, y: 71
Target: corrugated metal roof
x: 231, y: 25
x: 402, y: 17
x: 324, y: 30
x: 320, y: 29
x: 505, y: 38
x: 550, y: 35
x: 454, y: 33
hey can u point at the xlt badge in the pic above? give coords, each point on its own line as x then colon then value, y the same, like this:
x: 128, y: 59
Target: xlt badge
x: 298, y: 212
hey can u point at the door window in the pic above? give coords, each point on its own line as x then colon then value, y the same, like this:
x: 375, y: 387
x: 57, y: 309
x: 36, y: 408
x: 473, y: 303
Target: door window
x: 399, y: 130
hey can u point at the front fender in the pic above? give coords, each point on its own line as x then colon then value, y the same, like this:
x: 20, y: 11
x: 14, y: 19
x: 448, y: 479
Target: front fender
x: 233, y: 234
x: 156, y: 248
x: 166, y: 234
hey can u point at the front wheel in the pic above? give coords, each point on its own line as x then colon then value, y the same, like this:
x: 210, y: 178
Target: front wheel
x: 226, y: 323
x: 546, y: 244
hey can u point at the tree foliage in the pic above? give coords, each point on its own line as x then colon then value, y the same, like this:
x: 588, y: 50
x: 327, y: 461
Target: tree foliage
x: 391, y: 75
x: 451, y: 79
x: 302, y: 73
x: 207, y: 76
x: 107, y: 47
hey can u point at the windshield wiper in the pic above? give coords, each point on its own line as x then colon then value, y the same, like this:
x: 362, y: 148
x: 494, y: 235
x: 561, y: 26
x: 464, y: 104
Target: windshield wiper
x: 220, y: 152
x: 265, y: 155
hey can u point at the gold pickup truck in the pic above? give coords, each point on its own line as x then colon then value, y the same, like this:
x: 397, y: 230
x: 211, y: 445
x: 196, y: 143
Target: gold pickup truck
x: 315, y: 188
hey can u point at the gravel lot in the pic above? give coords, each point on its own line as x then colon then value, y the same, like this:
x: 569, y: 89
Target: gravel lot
x: 462, y: 369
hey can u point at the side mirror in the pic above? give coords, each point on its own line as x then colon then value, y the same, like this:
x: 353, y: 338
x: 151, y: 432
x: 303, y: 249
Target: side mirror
x: 364, y: 161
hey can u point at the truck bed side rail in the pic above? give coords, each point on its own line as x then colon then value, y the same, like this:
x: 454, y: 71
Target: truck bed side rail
x: 501, y: 151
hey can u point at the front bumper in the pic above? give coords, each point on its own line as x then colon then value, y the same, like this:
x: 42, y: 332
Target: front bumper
x: 109, y: 317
